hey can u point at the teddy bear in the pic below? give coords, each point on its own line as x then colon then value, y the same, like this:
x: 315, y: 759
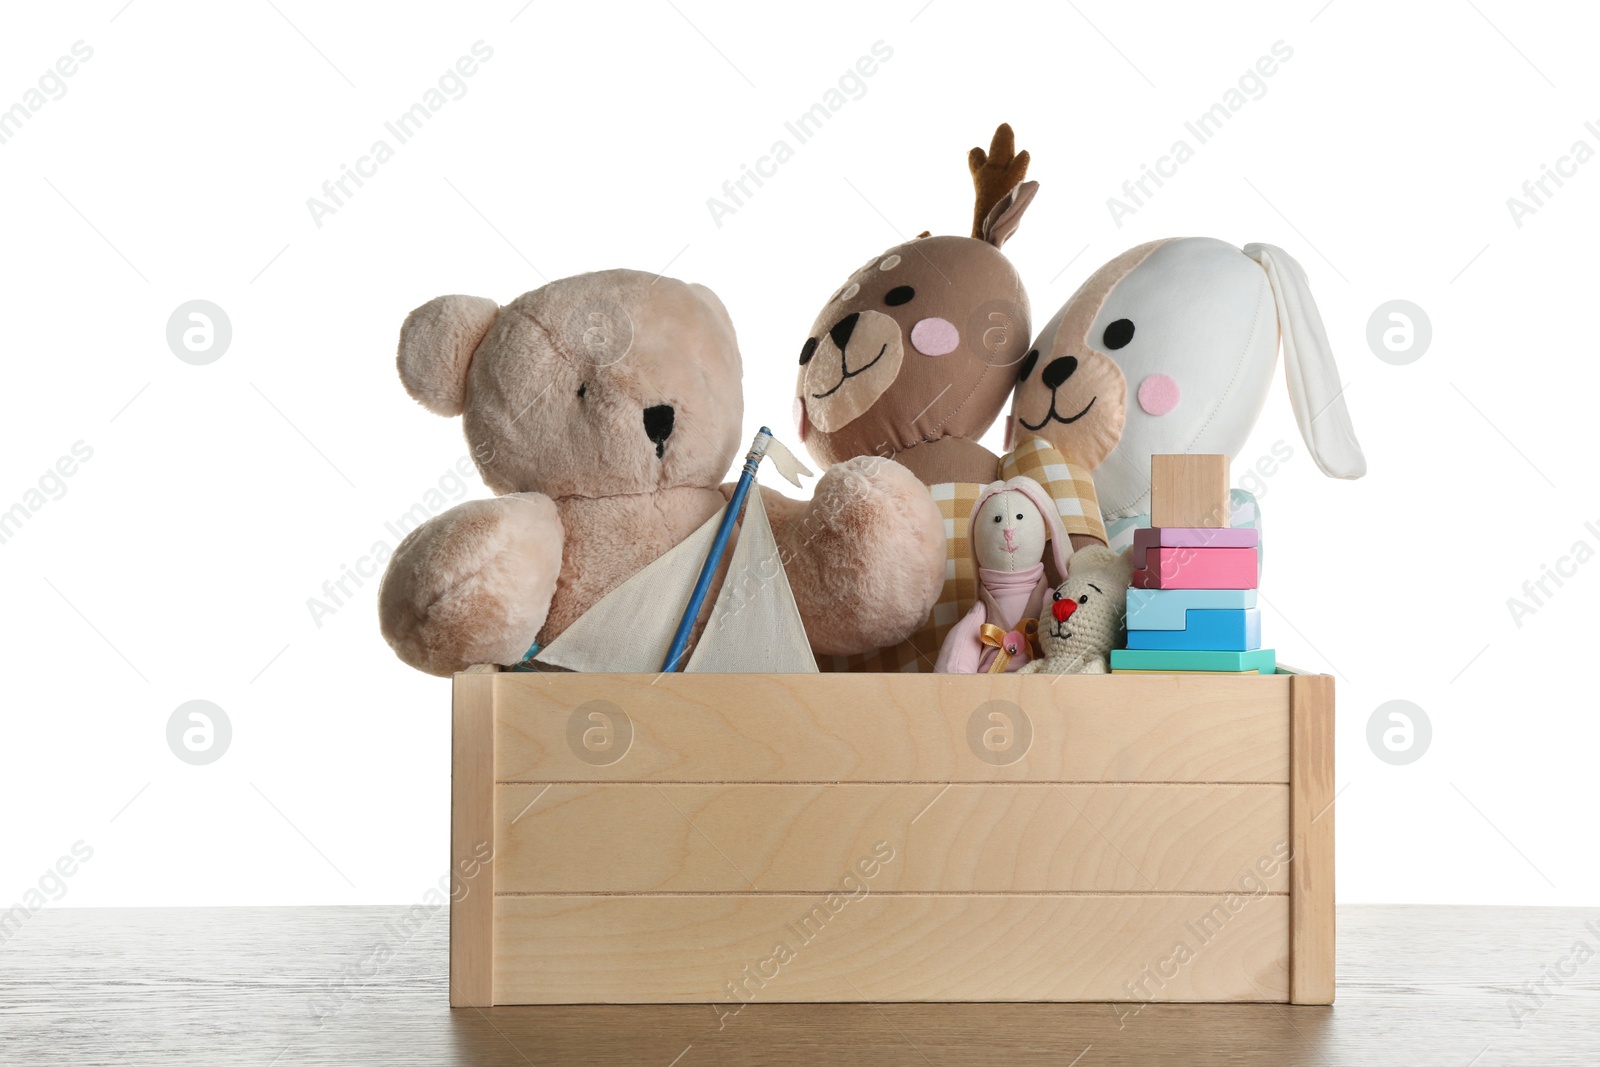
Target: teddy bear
x: 1087, y: 615
x: 604, y: 410
x: 914, y: 357
x: 1171, y: 347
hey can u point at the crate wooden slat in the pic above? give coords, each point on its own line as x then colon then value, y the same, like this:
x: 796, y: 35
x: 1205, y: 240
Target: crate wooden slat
x: 652, y: 836
x: 887, y: 948
x: 799, y: 837
x: 1311, y: 815
x: 889, y: 728
x: 472, y: 917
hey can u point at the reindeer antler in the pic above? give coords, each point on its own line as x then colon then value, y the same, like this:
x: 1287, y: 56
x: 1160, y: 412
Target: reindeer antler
x: 995, y: 174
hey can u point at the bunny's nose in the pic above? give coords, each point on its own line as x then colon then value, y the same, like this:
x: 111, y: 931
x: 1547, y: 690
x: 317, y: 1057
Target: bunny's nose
x: 1058, y: 371
x: 1063, y: 609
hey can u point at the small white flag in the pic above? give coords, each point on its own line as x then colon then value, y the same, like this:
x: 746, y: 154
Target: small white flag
x: 785, y: 462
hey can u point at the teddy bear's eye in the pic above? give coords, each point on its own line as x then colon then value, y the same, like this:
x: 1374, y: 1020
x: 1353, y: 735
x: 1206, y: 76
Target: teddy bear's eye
x: 1055, y: 595
x: 808, y: 350
x: 1084, y: 599
x: 1118, y: 334
x: 900, y: 294
x: 583, y: 390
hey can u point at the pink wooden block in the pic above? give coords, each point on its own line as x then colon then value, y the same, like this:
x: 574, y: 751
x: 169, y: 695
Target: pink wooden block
x: 1197, y: 568
x: 1193, y: 537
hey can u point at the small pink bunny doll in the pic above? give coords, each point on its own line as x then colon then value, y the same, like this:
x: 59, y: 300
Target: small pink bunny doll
x: 1012, y: 523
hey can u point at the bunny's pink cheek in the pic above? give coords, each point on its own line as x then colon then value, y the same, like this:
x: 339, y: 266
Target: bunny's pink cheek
x: 1158, y: 394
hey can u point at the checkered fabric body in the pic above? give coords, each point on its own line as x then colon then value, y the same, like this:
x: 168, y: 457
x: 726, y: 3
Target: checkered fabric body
x: 1070, y: 486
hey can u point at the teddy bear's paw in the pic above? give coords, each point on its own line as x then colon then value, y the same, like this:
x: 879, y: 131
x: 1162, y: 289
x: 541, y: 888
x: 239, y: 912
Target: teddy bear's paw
x: 867, y: 561
x: 472, y: 585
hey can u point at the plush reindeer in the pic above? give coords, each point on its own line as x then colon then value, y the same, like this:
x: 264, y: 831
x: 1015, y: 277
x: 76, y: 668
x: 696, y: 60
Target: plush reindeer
x: 913, y: 358
x: 915, y: 354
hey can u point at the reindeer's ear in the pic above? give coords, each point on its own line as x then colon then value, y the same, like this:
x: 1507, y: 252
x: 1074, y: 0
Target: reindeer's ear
x: 436, y: 347
x: 1004, y: 218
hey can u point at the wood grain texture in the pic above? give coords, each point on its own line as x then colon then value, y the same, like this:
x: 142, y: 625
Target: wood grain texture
x: 896, y: 728
x: 472, y: 827
x: 1189, y: 491
x: 889, y: 947
x: 1311, y: 818
x: 295, y: 987
x: 616, y: 838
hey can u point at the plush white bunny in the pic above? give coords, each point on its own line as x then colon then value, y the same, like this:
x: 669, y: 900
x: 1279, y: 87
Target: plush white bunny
x: 1194, y: 325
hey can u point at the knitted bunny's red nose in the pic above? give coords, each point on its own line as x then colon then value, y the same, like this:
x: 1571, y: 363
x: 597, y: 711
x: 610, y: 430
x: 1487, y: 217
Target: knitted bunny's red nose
x: 1062, y: 609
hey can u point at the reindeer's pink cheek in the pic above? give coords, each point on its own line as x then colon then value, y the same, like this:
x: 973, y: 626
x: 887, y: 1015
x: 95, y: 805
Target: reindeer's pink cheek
x: 935, y: 337
x: 1158, y: 394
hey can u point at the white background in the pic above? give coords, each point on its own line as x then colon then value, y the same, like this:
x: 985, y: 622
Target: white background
x: 219, y: 498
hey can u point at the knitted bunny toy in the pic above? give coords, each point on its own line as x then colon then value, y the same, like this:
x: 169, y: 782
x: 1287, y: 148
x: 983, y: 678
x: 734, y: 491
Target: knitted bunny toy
x: 1088, y: 615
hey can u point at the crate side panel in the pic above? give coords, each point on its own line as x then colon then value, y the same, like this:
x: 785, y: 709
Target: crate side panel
x: 892, y: 728
x: 730, y: 949
x: 620, y: 838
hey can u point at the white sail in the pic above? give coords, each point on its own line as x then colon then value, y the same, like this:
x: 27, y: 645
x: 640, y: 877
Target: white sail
x: 755, y: 626
x: 630, y: 628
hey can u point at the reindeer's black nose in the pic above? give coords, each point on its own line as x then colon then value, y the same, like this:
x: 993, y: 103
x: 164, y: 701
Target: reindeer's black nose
x: 1058, y: 371
x: 658, y: 426
x: 843, y: 329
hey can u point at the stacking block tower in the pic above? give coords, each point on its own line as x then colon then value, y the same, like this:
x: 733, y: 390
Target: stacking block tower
x: 1192, y: 601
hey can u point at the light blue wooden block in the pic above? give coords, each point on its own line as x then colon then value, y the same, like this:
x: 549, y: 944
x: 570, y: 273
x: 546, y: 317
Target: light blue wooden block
x: 1215, y: 629
x: 1167, y: 609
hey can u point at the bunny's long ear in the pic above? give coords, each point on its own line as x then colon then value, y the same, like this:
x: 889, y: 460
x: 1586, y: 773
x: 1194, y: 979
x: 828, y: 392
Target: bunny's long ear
x: 1315, y: 391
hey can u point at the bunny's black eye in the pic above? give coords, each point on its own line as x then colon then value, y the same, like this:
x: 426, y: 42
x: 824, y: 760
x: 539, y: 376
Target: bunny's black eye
x: 1084, y: 599
x: 1027, y: 365
x: 900, y: 294
x: 1019, y: 516
x: 997, y: 518
x: 808, y: 350
x: 583, y: 390
x: 1118, y: 334
x: 1056, y: 595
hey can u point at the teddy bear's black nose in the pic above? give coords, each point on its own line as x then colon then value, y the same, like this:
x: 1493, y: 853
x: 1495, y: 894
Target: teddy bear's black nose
x: 658, y: 426
x: 843, y: 329
x: 1058, y: 371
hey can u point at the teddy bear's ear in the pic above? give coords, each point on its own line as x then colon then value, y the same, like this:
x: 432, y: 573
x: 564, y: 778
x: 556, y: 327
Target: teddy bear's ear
x: 436, y: 347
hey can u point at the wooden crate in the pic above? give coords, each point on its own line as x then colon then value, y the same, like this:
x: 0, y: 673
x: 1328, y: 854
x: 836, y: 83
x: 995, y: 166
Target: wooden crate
x: 760, y: 838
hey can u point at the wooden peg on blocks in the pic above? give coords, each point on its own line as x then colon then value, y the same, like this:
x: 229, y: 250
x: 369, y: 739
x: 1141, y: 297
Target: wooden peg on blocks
x: 1189, y: 491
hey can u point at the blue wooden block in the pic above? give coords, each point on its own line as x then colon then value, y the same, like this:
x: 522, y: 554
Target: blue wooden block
x: 1217, y: 629
x: 1167, y: 609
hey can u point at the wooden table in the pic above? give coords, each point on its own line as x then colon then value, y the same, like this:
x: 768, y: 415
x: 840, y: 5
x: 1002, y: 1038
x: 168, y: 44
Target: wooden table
x: 1417, y: 986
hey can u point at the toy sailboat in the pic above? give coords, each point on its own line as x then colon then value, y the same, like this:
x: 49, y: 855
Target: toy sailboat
x: 754, y: 627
